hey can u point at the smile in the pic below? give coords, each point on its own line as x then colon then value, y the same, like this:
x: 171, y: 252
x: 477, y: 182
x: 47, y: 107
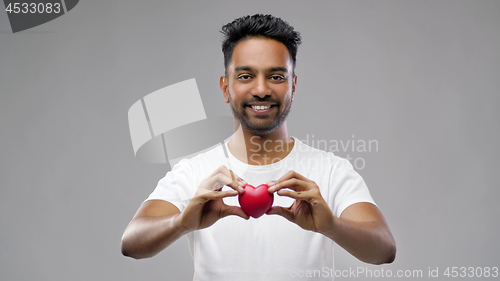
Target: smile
x: 261, y: 108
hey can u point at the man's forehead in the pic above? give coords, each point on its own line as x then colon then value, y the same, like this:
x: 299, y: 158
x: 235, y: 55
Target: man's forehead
x: 260, y: 54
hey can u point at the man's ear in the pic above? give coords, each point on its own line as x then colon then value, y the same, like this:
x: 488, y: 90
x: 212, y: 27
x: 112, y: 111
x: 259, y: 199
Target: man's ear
x: 223, y: 86
x: 294, y: 85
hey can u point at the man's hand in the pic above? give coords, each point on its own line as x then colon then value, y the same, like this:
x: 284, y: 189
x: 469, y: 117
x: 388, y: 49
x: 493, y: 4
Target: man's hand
x: 207, y: 206
x: 309, y: 210
x: 158, y: 223
x: 361, y: 229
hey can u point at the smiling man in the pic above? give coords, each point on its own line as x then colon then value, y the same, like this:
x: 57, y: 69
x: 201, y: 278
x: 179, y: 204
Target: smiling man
x: 319, y: 199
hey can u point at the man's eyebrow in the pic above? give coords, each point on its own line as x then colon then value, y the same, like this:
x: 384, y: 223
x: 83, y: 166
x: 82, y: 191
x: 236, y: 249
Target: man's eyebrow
x: 271, y: 69
x: 277, y: 69
x: 243, y: 68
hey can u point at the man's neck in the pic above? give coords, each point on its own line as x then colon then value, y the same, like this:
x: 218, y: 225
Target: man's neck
x: 260, y: 149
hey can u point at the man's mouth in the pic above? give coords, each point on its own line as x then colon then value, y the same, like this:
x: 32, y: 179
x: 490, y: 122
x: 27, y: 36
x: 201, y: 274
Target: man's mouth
x: 261, y: 108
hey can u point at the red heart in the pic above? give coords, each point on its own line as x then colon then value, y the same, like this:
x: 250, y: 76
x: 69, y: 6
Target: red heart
x: 256, y: 201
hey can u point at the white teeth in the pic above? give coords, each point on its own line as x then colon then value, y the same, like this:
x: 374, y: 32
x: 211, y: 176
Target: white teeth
x: 261, y: 107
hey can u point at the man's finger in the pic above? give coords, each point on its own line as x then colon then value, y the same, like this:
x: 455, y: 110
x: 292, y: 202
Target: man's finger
x: 284, y: 212
x: 236, y: 178
x: 219, y: 194
x: 300, y: 195
x: 220, y: 169
x: 239, y: 181
x: 225, y: 171
x: 236, y: 211
x: 293, y: 183
x: 226, y: 180
x: 292, y: 174
x: 218, y: 181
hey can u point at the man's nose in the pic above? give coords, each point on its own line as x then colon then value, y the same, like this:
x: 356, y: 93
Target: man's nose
x: 261, y: 88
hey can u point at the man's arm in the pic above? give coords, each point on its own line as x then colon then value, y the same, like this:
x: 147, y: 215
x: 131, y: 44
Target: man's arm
x: 361, y: 230
x: 158, y: 223
x: 154, y: 227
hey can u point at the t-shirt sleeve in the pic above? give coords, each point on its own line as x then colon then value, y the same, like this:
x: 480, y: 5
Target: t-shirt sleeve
x: 348, y: 186
x: 177, y: 187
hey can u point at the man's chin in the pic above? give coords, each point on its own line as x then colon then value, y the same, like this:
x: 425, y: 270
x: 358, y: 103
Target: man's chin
x: 260, y: 127
x: 261, y: 130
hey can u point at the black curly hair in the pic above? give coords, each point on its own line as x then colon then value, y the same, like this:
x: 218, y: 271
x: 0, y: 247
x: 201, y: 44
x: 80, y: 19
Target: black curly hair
x: 258, y: 25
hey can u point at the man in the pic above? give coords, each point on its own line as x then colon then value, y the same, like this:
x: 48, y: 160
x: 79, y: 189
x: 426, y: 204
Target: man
x: 319, y: 198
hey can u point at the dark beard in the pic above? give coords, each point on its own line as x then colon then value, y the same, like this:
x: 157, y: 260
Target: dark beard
x: 244, y: 119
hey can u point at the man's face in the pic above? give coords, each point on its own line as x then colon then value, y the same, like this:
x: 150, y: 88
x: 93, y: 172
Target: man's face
x: 260, y: 84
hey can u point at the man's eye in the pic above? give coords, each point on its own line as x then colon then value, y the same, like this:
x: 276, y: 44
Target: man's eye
x: 277, y: 78
x: 244, y: 77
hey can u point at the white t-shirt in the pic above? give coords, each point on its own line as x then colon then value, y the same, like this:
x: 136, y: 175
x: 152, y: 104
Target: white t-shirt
x: 270, y: 247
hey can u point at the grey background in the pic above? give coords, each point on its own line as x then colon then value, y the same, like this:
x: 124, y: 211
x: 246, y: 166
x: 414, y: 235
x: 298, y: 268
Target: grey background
x: 420, y: 77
